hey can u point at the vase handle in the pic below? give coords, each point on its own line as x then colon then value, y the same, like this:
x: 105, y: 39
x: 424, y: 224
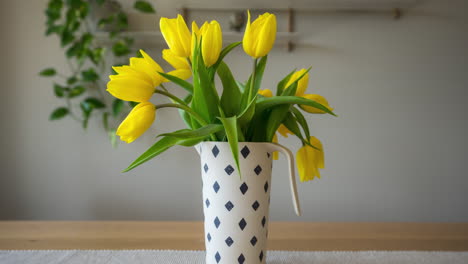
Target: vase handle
x: 292, y: 174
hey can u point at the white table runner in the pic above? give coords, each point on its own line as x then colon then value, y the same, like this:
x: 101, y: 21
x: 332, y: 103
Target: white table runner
x: 197, y: 257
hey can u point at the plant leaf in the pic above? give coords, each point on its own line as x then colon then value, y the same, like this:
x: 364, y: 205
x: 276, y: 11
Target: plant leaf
x: 48, y: 72
x: 182, y: 83
x: 230, y: 126
x: 266, y: 103
x: 94, y: 102
x: 59, y: 113
x: 302, y: 121
x: 117, y: 106
x: 204, y: 132
x: 76, y: 91
x: 59, y: 90
x: 105, y: 120
x: 144, y: 6
x: 281, y: 85
x: 230, y: 99
x: 225, y: 52
x: 248, y: 113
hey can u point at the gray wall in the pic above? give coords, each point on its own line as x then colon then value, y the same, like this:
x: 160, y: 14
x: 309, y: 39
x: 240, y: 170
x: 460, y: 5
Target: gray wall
x: 397, y: 152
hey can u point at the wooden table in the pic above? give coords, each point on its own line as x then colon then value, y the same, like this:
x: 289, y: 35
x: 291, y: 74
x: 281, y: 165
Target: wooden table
x: 189, y: 236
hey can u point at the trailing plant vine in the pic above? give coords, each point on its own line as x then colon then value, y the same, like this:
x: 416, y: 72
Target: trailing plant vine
x: 76, y: 23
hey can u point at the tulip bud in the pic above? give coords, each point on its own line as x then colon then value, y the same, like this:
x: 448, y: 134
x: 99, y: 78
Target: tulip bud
x: 212, y: 42
x: 137, y: 122
x: 176, y: 34
x: 260, y: 35
x: 310, y: 160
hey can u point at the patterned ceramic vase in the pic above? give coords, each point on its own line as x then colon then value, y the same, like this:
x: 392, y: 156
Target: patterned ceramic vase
x: 236, y: 207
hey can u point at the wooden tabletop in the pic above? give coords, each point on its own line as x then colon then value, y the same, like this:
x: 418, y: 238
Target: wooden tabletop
x: 189, y: 235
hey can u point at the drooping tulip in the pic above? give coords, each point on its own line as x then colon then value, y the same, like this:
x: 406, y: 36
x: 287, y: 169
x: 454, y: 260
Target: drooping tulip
x: 301, y: 84
x: 319, y: 99
x: 310, y: 161
x: 177, y: 35
x: 136, y: 82
x: 137, y: 122
x: 260, y: 35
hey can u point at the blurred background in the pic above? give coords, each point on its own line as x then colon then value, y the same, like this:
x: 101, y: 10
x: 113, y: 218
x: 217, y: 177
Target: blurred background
x: 397, y: 152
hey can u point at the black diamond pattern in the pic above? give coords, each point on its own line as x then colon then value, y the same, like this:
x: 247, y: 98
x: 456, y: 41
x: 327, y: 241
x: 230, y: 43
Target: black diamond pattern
x: 215, y: 151
x: 245, y: 152
x: 217, y: 222
x: 241, y: 259
x: 229, y: 241
x: 216, y: 187
x: 243, y: 188
x: 261, y: 255
x: 229, y: 169
x: 255, y: 205
x: 263, y: 221
x: 266, y: 186
x: 242, y: 224
x: 205, y: 167
x: 217, y: 257
x: 208, y: 237
x: 207, y: 202
x: 229, y: 206
x: 268, y: 154
x: 258, y: 169
x: 253, y: 241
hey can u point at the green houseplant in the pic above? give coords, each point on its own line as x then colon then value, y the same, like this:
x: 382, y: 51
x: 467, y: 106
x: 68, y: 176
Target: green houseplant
x: 76, y: 23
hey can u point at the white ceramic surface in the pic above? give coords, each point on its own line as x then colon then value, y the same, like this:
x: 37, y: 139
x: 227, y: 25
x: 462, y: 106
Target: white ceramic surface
x: 236, y: 207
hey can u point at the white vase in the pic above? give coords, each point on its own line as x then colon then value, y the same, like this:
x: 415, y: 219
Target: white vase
x: 236, y: 207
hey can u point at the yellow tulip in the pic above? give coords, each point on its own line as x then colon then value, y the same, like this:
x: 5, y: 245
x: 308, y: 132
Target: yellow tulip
x: 176, y: 34
x: 137, y: 122
x: 180, y: 64
x: 266, y: 92
x: 211, y: 38
x: 259, y: 36
x: 284, y: 131
x: 310, y: 160
x: 301, y: 84
x: 275, y: 153
x: 137, y: 81
x: 319, y: 99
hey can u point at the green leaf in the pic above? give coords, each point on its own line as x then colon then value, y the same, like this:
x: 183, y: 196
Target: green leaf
x: 105, y: 120
x: 54, y: 29
x: 201, y: 132
x: 72, y: 80
x: 230, y: 126
x: 302, y: 121
x: 205, y: 100
x: 159, y: 147
x: 281, y: 85
x: 186, y: 116
x: 117, y: 106
x: 66, y: 38
x: 120, y: 49
x: 76, y: 91
x: 132, y: 104
x: 59, y: 90
x: 105, y: 21
x: 225, y: 52
x: 248, y: 113
x: 259, y: 73
x: 59, y: 113
x: 100, y: 2
x: 48, y: 72
x: 86, y: 109
x: 121, y: 20
x: 230, y: 99
x: 266, y: 103
x: 143, y: 6
x: 182, y: 83
x: 290, y: 122
x: 277, y: 115
x: 94, y: 102
x: 89, y: 75
x: 113, y: 137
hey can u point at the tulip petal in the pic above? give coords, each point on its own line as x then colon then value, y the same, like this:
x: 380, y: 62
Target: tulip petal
x: 319, y: 99
x: 175, y: 61
x: 183, y: 74
x: 137, y: 122
x: 130, y: 89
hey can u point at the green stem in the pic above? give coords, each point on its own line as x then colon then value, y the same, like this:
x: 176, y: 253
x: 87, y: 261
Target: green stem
x: 191, y: 112
x: 187, y: 109
x: 252, y: 81
x: 173, y: 97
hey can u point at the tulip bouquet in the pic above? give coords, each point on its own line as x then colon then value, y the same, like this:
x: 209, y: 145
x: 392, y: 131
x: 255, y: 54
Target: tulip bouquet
x: 241, y: 113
